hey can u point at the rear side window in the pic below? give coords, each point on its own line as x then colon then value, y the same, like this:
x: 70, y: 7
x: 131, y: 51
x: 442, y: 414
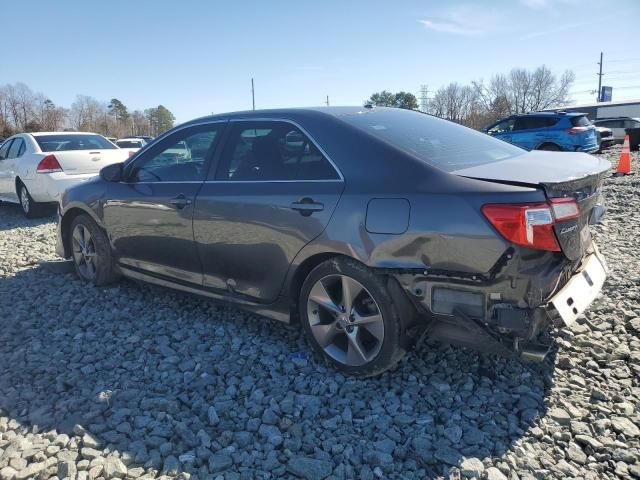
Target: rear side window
x: 268, y: 151
x: 435, y: 141
x: 16, y: 146
x: 580, y: 121
x: 531, y: 123
x: 62, y: 142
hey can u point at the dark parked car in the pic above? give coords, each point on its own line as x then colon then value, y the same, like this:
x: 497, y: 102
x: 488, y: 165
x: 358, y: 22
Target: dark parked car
x: 372, y: 226
x: 556, y: 131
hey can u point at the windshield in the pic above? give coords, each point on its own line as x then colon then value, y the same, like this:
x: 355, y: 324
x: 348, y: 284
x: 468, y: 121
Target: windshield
x: 129, y: 143
x: 438, y: 142
x: 56, y: 143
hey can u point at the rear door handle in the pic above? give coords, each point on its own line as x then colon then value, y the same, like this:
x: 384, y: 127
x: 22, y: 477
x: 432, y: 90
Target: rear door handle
x: 180, y: 201
x: 307, y: 206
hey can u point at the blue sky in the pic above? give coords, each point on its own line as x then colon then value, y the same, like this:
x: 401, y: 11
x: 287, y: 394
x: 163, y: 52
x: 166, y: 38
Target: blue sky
x: 197, y: 56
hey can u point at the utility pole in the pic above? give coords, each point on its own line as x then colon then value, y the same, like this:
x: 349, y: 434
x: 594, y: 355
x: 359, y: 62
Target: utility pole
x: 327, y: 101
x: 253, y: 95
x: 424, y: 97
x: 600, y: 79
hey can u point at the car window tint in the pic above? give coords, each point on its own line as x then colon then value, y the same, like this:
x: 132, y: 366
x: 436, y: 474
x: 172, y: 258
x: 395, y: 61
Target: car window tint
x: 65, y: 142
x: 435, y: 141
x: 15, y: 148
x: 181, y: 157
x: 530, y: 123
x: 267, y: 151
x: 5, y: 149
x: 502, y: 127
x: 22, y: 149
x: 580, y: 121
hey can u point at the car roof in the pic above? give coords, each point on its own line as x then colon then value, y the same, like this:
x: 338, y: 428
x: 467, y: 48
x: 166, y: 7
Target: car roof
x: 133, y: 139
x: 36, y: 134
x: 288, y: 112
x: 550, y: 114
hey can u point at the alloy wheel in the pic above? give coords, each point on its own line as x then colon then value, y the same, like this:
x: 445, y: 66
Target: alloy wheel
x: 84, y: 251
x: 24, y: 199
x: 345, y: 320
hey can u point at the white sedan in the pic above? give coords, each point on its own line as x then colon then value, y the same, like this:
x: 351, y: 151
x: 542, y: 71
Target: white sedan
x: 36, y: 168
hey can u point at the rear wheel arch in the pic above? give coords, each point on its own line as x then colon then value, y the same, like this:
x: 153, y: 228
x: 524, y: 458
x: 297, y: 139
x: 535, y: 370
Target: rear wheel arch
x: 300, y: 275
x: 549, y: 146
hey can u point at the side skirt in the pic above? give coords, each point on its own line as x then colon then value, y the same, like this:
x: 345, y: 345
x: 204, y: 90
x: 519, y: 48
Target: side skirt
x: 279, y: 310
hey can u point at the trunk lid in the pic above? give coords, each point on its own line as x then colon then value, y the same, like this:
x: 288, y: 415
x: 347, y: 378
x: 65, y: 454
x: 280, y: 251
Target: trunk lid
x: 559, y: 174
x: 77, y: 162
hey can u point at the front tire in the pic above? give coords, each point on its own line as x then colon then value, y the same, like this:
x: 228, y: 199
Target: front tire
x: 91, y: 252
x: 350, y: 318
x: 30, y: 208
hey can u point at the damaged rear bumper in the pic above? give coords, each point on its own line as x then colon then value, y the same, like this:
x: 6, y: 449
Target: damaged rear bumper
x: 495, y: 315
x: 581, y: 290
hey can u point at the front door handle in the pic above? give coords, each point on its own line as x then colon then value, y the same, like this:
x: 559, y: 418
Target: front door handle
x: 180, y: 201
x: 307, y: 206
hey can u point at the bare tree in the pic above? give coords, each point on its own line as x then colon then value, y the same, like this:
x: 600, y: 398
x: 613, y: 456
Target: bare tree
x: 520, y: 91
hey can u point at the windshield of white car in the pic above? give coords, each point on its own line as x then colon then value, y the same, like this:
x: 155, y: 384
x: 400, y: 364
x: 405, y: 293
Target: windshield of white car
x: 62, y: 142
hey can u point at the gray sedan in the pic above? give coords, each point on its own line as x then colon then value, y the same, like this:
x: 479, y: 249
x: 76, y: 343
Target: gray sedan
x: 372, y: 227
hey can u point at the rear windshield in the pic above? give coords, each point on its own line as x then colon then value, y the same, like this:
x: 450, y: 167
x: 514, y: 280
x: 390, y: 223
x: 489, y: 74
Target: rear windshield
x: 129, y: 143
x: 55, y: 143
x: 438, y: 142
x: 580, y: 121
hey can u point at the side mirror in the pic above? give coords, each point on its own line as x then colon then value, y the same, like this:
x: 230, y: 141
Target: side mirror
x: 112, y: 173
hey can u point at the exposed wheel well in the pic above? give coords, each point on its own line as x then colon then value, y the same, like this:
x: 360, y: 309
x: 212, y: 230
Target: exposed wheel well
x: 546, y: 145
x: 65, y: 225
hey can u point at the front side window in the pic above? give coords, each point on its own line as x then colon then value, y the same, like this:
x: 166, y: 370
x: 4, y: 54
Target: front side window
x: 66, y: 142
x: 271, y: 150
x: 181, y: 157
x: 5, y: 149
x: 502, y: 127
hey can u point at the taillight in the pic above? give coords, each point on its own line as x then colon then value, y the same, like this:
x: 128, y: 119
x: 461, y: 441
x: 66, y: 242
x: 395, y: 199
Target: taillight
x: 564, y: 209
x: 49, y: 164
x: 131, y: 153
x: 531, y: 224
x: 574, y: 130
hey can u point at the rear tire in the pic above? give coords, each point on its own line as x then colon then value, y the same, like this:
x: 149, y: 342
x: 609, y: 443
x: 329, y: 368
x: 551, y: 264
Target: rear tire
x: 550, y: 147
x: 91, y: 252
x: 349, y: 317
x: 30, y: 208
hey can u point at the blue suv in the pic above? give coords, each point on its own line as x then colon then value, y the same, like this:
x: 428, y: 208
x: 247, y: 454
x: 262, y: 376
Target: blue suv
x: 558, y: 131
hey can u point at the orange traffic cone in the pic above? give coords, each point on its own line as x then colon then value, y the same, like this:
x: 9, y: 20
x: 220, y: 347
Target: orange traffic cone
x: 624, y: 164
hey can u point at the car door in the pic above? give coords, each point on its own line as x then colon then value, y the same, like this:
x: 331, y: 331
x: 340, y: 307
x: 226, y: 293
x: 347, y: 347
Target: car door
x: 14, y: 156
x: 7, y: 189
x: 524, y: 132
x: 502, y: 129
x: 149, y: 215
x: 273, y: 191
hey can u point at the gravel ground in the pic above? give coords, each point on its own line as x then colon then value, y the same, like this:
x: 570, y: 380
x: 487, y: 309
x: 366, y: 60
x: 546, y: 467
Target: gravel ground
x: 139, y: 382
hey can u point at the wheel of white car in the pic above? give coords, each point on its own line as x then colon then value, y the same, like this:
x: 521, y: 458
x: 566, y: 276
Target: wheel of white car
x: 30, y: 208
